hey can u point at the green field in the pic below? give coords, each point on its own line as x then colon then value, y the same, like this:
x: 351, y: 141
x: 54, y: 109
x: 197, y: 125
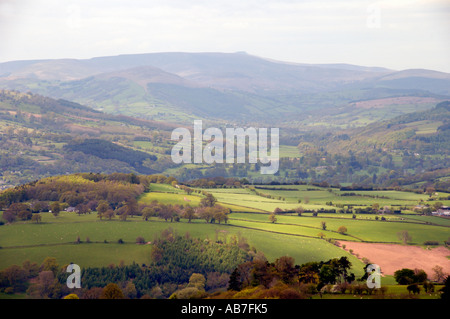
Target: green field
x: 292, y: 235
x: 55, y: 237
x: 358, y: 230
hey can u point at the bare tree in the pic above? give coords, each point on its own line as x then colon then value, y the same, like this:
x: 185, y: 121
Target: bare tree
x: 404, y: 236
x: 439, y: 274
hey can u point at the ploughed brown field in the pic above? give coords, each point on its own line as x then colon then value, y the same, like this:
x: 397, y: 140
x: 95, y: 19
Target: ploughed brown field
x: 392, y: 257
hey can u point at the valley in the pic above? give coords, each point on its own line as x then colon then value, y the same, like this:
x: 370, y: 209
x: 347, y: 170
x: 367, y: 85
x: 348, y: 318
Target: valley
x: 87, y: 177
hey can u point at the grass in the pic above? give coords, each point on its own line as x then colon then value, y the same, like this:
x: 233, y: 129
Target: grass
x: 55, y: 237
x: 289, y: 151
x: 393, y: 291
x: 85, y: 255
x: 170, y: 198
x: 291, y: 235
x: 364, y: 230
x: 34, y: 242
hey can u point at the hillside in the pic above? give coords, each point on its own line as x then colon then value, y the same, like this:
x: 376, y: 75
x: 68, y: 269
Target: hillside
x: 40, y: 136
x: 177, y: 86
x: 420, y: 132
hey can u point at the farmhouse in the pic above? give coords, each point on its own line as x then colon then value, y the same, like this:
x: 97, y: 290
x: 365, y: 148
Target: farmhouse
x: 444, y: 211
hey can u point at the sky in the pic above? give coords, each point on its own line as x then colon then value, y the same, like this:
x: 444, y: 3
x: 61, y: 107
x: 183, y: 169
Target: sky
x: 396, y: 34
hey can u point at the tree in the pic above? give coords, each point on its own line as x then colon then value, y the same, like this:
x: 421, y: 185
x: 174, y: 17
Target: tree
x: 404, y: 276
x: 36, y: 218
x: 131, y: 207
x: 198, y: 281
x: 376, y: 207
x: 123, y: 217
x: 147, y: 212
x: 420, y: 276
x: 404, y: 236
x: 46, y: 283
x: 55, y: 208
x: 439, y: 274
x: 16, y: 208
x: 437, y: 205
x: 93, y: 293
x: 109, y: 214
x: 208, y: 201
x: 206, y: 213
x: 327, y: 274
x: 14, y: 277
x: 102, y: 207
x: 285, y: 267
x: 50, y: 264
x: 342, y: 230
x: 323, y: 225
x: 189, y: 213
x: 430, y: 190
x: 235, y: 283
x: 9, y: 216
x: 82, y: 209
x: 130, y: 290
x: 112, y: 291
x: 220, y: 215
x: 187, y: 293
x: 277, y: 210
x: 299, y: 211
x: 272, y: 218
x: 25, y: 214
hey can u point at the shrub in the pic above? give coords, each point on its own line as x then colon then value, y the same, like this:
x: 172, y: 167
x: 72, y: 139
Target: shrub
x: 428, y: 286
x: 431, y: 242
x: 342, y: 287
x: 140, y: 240
x: 404, y: 276
x: 308, y: 289
x: 358, y: 288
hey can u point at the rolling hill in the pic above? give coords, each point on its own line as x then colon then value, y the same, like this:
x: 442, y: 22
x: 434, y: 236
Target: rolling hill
x: 177, y: 86
x: 41, y: 136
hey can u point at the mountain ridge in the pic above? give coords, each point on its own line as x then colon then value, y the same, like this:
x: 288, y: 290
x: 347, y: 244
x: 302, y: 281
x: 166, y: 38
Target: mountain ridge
x: 180, y: 85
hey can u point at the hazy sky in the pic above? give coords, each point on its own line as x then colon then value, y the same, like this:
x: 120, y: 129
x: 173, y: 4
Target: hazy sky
x: 397, y: 34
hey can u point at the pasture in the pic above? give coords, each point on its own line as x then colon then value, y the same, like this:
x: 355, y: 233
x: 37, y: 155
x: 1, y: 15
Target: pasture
x: 301, y: 237
x: 56, y: 237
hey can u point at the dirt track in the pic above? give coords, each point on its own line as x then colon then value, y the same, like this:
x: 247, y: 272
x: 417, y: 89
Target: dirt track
x: 391, y: 257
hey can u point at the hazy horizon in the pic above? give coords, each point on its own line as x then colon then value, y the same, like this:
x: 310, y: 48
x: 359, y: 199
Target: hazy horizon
x: 392, y: 34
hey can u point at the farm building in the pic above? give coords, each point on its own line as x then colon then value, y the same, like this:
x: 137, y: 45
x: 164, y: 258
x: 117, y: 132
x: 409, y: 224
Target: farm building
x: 444, y: 211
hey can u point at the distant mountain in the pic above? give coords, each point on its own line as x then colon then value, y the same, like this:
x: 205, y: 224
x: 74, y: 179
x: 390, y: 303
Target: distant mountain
x: 179, y: 86
x: 144, y: 75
